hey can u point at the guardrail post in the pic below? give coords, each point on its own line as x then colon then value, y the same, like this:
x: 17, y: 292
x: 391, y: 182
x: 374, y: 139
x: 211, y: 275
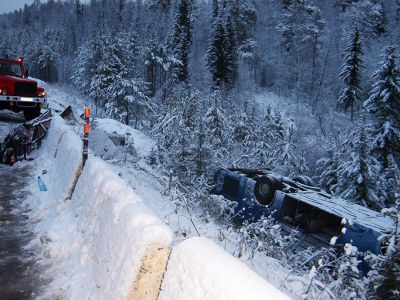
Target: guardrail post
x: 86, y: 130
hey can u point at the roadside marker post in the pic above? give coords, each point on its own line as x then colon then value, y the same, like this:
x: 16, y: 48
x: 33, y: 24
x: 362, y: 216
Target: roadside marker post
x: 86, y: 131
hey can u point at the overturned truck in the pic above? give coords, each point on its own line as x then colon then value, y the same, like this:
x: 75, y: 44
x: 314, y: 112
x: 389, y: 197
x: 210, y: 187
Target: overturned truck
x: 321, y: 219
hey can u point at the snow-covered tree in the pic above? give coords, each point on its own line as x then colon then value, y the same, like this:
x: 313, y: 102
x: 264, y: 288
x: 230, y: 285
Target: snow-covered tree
x: 231, y: 51
x: 291, y: 161
x: 327, y: 170
x: 301, y: 27
x: 217, y: 127
x: 389, y: 283
x: 351, y: 73
x: 384, y: 277
x: 182, y: 39
x: 244, y: 16
x: 45, y: 57
x: 368, y: 16
x: 216, y: 55
x: 128, y: 91
x: 176, y: 131
x: 264, y: 236
x: 269, y: 134
x: 339, y: 270
x: 359, y: 174
x: 384, y: 107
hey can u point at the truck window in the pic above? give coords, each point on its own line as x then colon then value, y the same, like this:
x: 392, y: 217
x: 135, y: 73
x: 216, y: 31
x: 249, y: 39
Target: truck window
x: 10, y: 68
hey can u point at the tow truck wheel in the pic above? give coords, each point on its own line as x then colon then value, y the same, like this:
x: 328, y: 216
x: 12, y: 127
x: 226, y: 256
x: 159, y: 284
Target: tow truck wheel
x: 265, y: 189
x: 32, y: 113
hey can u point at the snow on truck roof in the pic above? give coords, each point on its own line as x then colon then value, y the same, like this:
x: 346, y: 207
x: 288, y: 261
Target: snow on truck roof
x: 352, y: 212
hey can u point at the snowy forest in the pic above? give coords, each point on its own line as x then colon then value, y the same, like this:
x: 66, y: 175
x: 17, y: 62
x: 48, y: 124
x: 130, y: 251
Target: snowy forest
x: 302, y: 87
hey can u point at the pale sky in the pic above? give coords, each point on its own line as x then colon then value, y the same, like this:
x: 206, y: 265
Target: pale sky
x: 11, y: 5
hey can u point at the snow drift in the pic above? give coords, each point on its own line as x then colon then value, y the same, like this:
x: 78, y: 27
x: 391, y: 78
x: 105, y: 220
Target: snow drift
x: 95, y: 240
x: 199, y: 269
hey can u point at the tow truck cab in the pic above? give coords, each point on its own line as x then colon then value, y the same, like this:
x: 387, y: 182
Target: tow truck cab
x: 296, y: 204
x: 17, y: 92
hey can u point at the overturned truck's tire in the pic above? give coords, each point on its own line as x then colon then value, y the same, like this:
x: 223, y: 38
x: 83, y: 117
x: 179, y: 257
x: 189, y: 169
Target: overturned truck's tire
x: 32, y: 113
x: 265, y: 189
x: 304, y: 180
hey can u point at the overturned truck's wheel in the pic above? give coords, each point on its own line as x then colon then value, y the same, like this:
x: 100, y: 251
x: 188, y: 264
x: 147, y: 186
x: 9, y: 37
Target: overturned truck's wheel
x: 304, y: 180
x: 31, y: 113
x: 265, y: 189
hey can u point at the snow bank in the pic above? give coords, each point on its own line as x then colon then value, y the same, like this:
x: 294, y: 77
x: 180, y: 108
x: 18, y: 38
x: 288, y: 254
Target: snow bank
x: 114, y: 230
x: 142, y: 143
x: 63, y: 148
x: 58, y: 165
x: 199, y: 269
x: 93, y: 241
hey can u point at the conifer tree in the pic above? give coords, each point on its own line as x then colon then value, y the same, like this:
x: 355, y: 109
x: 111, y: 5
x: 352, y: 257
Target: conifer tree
x: 244, y: 17
x: 215, y: 11
x: 216, y: 56
x: 359, y: 174
x: 287, y: 153
x: 384, y: 107
x: 301, y: 26
x: 231, y: 51
x: 182, y: 39
x: 218, y: 128
x: 384, y: 279
x: 327, y: 170
x: 269, y: 134
x: 351, y: 73
x: 128, y: 90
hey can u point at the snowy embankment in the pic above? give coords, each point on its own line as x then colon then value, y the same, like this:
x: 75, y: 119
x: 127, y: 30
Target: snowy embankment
x: 199, y: 269
x: 97, y: 235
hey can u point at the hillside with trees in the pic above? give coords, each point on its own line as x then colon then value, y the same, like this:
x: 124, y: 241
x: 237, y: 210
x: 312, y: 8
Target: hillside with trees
x: 302, y: 87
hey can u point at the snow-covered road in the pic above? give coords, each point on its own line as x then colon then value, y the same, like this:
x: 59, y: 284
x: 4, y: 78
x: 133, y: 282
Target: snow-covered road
x: 19, y: 273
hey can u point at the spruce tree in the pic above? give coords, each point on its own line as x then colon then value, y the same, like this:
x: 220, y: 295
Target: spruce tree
x: 385, y: 281
x: 269, y: 134
x: 359, y: 175
x: 327, y: 170
x: 351, y: 73
x: 231, y: 51
x: 182, y: 39
x: 216, y: 56
x: 244, y: 17
x: 217, y: 126
x: 384, y: 107
x: 128, y: 91
x: 215, y: 10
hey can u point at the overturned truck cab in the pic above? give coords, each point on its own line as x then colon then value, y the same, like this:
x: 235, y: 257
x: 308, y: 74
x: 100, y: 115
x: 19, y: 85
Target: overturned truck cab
x: 321, y: 219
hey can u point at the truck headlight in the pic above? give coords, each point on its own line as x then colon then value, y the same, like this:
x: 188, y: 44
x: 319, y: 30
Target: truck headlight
x: 42, y: 94
x: 3, y: 92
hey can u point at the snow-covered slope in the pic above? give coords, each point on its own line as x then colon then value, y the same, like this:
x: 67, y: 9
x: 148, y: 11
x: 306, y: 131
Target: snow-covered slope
x: 94, y: 228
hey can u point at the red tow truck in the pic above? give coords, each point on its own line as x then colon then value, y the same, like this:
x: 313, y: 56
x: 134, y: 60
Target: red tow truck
x: 17, y: 92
